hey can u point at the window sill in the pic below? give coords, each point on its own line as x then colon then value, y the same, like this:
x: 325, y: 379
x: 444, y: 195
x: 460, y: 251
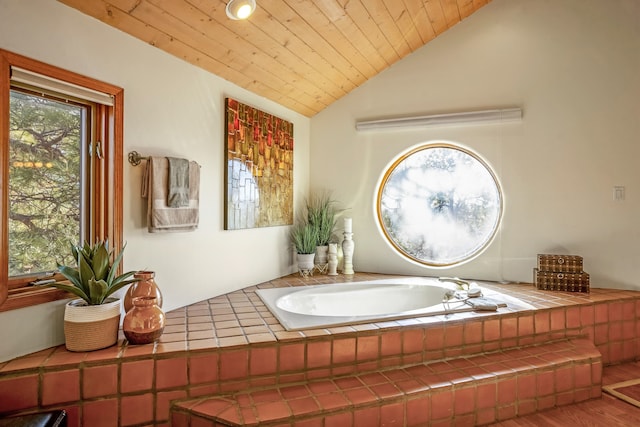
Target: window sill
x: 29, y: 296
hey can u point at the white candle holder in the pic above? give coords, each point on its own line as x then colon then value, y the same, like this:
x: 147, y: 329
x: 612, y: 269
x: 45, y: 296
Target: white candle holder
x: 348, y: 246
x: 333, y: 259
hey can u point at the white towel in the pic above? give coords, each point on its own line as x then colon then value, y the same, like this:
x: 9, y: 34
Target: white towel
x: 161, y: 217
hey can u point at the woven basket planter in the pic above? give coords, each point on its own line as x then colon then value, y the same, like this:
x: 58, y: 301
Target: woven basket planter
x: 91, y: 327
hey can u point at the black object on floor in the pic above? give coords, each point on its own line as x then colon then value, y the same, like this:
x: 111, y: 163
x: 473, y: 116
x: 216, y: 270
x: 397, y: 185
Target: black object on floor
x: 44, y: 419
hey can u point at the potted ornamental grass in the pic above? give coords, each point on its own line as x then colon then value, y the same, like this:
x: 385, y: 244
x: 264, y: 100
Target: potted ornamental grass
x: 91, y: 321
x: 321, y: 215
x: 304, y: 239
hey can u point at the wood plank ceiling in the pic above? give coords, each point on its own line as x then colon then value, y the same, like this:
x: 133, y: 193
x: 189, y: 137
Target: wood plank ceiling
x: 302, y: 54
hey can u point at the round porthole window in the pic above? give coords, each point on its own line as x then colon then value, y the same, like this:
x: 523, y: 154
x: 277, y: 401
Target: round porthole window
x: 439, y: 205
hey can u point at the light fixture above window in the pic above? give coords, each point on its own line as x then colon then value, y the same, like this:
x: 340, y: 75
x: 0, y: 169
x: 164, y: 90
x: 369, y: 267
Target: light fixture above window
x: 240, y: 9
x: 451, y: 119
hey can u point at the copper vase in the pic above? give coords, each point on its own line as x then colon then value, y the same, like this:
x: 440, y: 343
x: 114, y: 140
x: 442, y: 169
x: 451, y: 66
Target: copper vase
x: 144, y: 323
x: 145, y: 287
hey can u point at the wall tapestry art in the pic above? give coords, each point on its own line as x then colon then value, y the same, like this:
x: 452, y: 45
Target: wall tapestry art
x: 259, y: 172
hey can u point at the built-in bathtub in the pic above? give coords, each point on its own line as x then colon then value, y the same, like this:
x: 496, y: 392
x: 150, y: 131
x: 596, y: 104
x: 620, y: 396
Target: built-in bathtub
x: 320, y: 306
x: 461, y: 357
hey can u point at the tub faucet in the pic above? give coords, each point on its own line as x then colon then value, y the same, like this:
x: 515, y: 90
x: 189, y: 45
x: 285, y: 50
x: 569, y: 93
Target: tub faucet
x: 462, y: 284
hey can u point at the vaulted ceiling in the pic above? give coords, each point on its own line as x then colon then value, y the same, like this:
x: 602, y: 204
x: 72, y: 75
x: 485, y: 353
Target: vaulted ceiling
x: 303, y: 54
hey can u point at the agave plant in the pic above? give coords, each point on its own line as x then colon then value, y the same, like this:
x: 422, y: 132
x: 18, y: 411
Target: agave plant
x: 94, y: 278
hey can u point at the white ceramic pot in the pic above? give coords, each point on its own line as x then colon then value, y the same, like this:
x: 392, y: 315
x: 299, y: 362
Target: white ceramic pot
x: 91, y: 327
x: 321, y: 255
x: 305, y: 262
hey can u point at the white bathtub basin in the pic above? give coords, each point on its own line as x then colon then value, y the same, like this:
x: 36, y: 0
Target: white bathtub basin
x: 361, y: 299
x: 319, y: 306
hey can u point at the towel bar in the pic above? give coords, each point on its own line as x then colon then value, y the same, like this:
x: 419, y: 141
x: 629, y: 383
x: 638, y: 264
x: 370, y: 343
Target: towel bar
x: 135, y: 158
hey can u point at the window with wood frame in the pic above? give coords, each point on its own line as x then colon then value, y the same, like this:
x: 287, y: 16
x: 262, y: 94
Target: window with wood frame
x: 439, y: 204
x: 60, y: 174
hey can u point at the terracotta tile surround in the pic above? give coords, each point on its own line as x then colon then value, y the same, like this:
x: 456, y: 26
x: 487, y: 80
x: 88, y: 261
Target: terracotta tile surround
x: 232, y: 344
x: 532, y: 378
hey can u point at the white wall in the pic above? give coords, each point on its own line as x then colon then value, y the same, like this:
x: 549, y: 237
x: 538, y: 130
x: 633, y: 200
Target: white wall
x: 574, y: 68
x: 171, y: 108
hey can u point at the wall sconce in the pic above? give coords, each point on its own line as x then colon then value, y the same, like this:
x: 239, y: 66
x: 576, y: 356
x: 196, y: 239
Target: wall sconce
x: 240, y: 9
x: 450, y: 119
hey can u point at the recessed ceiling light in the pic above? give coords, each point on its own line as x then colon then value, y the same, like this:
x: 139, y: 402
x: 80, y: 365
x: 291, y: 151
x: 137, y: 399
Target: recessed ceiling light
x: 240, y: 9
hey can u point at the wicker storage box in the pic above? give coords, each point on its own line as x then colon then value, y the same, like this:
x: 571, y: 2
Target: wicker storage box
x: 561, y: 281
x: 560, y: 263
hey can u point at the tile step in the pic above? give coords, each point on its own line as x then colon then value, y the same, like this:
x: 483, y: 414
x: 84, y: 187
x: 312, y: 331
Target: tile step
x: 473, y: 390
